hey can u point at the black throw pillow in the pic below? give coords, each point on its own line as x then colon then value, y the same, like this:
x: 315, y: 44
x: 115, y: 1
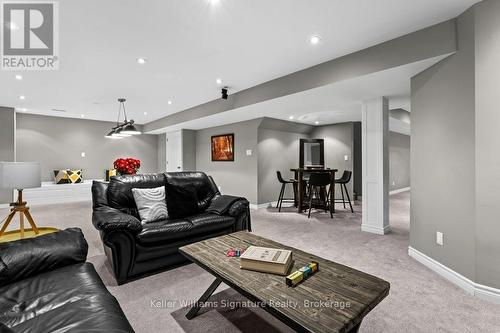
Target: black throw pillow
x: 182, y: 201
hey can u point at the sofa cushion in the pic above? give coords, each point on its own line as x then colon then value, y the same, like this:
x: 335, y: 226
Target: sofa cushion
x: 173, y: 230
x: 119, y: 191
x: 69, y: 299
x: 165, y: 230
x: 208, y: 222
x: 181, y: 200
x: 204, y: 185
x: 151, y: 203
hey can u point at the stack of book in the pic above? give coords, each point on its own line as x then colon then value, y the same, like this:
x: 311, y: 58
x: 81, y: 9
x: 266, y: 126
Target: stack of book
x: 267, y: 260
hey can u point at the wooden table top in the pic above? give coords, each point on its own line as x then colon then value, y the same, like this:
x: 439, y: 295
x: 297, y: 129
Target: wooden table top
x: 313, y: 170
x: 334, y: 285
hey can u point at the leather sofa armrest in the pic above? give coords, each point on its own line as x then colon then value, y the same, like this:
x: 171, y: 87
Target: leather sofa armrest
x: 228, y: 205
x: 109, y: 219
x: 31, y: 256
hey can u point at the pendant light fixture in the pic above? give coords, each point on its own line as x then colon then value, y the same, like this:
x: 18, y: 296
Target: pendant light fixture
x: 124, y: 129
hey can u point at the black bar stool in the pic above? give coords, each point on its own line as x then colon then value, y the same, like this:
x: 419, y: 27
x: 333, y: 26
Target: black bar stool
x: 283, y: 187
x: 342, y: 181
x: 318, y: 181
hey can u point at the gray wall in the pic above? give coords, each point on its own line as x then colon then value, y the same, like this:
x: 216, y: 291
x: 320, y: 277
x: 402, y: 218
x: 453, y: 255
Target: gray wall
x: 487, y: 30
x: 399, y: 161
x: 189, y: 150
x: 58, y: 142
x: 162, y: 152
x: 278, y: 143
x: 238, y: 177
x: 7, y: 145
x: 278, y: 149
x: 339, y: 141
x: 443, y: 156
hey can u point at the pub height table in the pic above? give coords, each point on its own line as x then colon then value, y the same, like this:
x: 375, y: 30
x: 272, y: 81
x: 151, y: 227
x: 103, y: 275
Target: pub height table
x: 299, y: 176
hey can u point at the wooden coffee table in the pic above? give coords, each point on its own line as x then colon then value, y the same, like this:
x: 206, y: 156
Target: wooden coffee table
x: 335, y: 299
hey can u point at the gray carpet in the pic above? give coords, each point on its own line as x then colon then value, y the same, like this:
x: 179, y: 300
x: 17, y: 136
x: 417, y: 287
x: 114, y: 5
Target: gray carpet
x: 419, y: 300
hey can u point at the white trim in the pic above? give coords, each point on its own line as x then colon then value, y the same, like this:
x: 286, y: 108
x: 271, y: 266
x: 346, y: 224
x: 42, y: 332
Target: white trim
x: 401, y: 190
x: 473, y: 288
x: 4, y: 206
x: 51, y: 193
x: 375, y: 230
x: 270, y: 204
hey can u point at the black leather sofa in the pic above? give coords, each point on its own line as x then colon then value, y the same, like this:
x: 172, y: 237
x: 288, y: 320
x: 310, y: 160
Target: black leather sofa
x: 135, y: 249
x: 46, y: 286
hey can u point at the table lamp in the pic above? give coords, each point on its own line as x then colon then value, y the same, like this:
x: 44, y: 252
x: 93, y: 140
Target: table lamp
x: 19, y: 176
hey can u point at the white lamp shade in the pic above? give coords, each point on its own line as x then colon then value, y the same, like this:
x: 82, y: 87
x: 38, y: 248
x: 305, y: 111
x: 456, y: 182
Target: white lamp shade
x: 20, y: 175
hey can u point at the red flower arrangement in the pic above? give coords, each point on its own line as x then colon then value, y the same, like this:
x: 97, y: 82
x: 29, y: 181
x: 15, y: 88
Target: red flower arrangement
x: 127, y: 166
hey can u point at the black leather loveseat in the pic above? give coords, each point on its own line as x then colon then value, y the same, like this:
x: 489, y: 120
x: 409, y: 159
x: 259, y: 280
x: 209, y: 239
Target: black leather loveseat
x: 135, y: 249
x: 46, y: 286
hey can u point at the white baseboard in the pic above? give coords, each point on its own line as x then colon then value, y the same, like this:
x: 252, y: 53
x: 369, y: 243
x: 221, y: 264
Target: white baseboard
x: 375, y: 230
x: 270, y: 204
x: 473, y: 288
x: 401, y: 190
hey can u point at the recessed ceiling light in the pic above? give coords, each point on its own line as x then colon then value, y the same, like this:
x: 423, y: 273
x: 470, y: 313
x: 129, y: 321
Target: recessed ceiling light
x: 142, y: 61
x: 22, y: 109
x: 315, y: 39
x: 316, y: 122
x: 214, y: 2
x: 22, y: 97
x: 169, y: 102
x: 82, y: 116
x: 219, y: 81
x: 145, y: 113
x: 291, y: 117
x: 19, y: 77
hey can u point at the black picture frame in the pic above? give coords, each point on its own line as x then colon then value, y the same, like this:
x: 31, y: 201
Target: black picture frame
x: 321, y: 147
x: 222, y: 147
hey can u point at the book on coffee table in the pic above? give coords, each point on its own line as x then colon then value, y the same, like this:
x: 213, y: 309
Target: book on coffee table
x: 267, y: 260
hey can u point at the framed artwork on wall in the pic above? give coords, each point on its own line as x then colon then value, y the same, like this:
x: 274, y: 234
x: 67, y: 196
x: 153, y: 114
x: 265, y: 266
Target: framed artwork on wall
x: 223, y: 148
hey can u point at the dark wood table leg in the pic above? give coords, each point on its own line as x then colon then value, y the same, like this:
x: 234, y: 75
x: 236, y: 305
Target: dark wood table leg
x: 332, y: 194
x: 301, y: 192
x: 295, y: 189
x: 197, y: 306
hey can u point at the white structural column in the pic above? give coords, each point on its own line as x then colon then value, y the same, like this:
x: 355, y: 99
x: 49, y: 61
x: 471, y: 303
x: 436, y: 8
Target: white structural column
x: 375, y: 136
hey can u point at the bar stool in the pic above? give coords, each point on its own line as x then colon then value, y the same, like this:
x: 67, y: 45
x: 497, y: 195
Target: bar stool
x: 342, y: 181
x: 283, y: 187
x: 318, y: 181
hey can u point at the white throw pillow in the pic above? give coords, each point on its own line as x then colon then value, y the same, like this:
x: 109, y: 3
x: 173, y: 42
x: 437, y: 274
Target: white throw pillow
x: 151, y: 203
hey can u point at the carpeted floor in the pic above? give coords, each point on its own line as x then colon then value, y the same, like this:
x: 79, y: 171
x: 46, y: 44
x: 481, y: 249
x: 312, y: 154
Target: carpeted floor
x: 419, y: 300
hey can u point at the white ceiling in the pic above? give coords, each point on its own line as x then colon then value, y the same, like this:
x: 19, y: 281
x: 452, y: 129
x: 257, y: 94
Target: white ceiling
x: 190, y: 43
x: 335, y: 103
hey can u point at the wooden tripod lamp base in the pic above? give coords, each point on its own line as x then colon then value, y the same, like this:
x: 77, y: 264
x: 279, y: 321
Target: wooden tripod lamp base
x: 20, y: 207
